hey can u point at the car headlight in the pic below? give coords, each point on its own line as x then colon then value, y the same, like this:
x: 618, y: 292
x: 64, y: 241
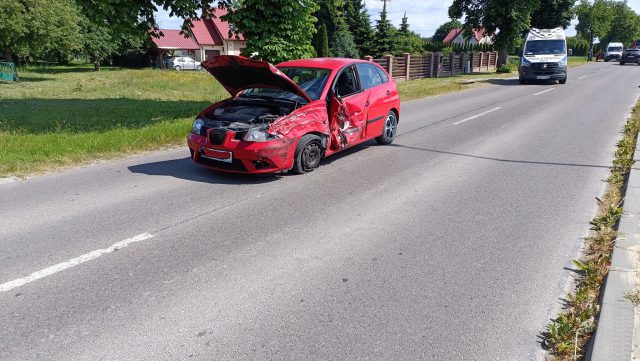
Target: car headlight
x: 259, y: 135
x: 562, y: 63
x: 197, y: 126
x: 525, y: 62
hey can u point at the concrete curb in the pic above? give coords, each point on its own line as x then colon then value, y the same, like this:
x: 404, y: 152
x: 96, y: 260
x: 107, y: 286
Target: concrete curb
x: 615, y: 338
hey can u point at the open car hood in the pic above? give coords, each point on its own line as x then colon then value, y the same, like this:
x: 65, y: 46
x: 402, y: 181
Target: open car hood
x: 237, y: 73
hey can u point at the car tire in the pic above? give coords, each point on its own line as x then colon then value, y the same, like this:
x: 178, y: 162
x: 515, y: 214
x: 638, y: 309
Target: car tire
x: 562, y: 81
x: 309, y: 152
x: 622, y: 63
x: 177, y: 68
x: 522, y: 80
x: 389, y: 129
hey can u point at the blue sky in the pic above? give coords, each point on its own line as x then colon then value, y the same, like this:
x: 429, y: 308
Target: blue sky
x: 424, y: 15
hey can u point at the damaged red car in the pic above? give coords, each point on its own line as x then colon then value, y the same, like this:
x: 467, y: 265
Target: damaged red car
x: 290, y: 116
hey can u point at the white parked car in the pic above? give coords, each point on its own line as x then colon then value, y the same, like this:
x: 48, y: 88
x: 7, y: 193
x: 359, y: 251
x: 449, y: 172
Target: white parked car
x: 183, y: 63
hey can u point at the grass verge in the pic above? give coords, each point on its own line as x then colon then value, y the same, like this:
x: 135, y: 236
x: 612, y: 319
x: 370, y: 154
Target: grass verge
x: 567, y: 336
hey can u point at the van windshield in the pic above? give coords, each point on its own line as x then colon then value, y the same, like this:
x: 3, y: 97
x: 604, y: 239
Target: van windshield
x: 545, y: 47
x: 614, y: 48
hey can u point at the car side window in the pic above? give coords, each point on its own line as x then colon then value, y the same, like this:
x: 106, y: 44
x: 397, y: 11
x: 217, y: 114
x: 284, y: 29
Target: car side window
x: 368, y: 75
x: 347, y: 83
x: 383, y: 74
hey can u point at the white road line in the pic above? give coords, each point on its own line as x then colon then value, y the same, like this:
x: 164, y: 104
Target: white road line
x: 477, y: 115
x: 544, y: 91
x: 71, y: 263
x: 580, y: 77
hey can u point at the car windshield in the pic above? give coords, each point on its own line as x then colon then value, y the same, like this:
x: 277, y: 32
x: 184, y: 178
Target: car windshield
x: 311, y: 80
x: 545, y: 47
x: 614, y: 48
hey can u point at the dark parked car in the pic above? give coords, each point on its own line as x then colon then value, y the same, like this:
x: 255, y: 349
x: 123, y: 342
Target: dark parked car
x: 630, y: 56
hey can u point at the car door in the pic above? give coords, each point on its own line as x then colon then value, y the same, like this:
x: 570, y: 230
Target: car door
x: 348, y: 109
x: 377, y: 82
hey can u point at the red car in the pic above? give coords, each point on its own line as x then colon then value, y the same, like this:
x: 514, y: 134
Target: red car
x: 290, y: 116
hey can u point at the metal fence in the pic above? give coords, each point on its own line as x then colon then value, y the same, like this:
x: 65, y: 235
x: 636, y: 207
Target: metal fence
x: 436, y: 65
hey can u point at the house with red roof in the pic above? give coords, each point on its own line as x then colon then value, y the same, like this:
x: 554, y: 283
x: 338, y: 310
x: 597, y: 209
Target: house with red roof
x: 174, y: 43
x: 206, y: 38
x: 456, y: 36
x: 212, y: 34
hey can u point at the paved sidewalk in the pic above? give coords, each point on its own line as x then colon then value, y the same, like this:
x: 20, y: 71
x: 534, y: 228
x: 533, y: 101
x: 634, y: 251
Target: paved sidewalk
x: 616, y: 337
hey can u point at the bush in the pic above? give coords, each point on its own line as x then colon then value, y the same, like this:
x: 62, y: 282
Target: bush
x: 505, y: 68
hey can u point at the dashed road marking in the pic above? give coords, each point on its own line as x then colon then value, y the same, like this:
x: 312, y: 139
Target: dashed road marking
x: 580, y: 77
x: 8, y: 286
x: 477, y: 115
x: 544, y: 91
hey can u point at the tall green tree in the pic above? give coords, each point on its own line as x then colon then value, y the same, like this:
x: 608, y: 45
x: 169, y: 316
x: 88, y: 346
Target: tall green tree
x: 276, y: 30
x: 384, y: 39
x: 407, y: 41
x: 594, y: 19
x: 443, y: 30
x: 98, y: 42
x: 625, y: 27
x: 357, y: 17
x: 512, y: 18
x: 343, y: 45
x: 322, y: 42
x: 33, y: 29
x: 552, y: 14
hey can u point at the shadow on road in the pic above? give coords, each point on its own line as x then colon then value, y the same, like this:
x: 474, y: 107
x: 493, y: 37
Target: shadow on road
x: 515, y: 82
x: 501, y: 159
x: 184, y: 168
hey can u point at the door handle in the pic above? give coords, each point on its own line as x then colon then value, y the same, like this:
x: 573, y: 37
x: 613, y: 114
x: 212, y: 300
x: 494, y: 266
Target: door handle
x: 367, y: 104
x: 388, y: 92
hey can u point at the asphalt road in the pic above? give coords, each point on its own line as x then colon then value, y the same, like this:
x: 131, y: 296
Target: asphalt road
x: 451, y: 244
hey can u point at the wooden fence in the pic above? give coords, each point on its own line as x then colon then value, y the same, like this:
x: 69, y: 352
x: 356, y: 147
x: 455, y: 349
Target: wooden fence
x: 436, y: 65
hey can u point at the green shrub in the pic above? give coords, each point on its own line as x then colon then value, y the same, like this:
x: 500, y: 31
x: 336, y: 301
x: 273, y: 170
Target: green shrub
x: 505, y: 68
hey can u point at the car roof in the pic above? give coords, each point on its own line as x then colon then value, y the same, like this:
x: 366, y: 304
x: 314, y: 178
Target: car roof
x: 323, y: 63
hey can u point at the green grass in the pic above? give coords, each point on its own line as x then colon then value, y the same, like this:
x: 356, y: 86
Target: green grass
x: 568, y: 335
x: 62, y: 116
x: 420, y: 88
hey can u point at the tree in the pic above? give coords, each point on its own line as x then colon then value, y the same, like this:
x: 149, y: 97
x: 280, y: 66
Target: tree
x: 512, y: 18
x: 98, y: 42
x: 343, y: 45
x: 322, y: 42
x: 552, y: 14
x: 276, y: 30
x: 406, y: 40
x: 34, y: 29
x: 357, y: 17
x: 443, y: 30
x: 385, y: 34
x: 625, y: 27
x: 594, y: 20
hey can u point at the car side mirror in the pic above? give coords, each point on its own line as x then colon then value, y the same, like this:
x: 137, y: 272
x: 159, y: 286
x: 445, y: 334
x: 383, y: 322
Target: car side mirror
x: 520, y: 53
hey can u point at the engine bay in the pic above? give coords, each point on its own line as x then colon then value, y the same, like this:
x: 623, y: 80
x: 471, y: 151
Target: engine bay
x: 244, y: 114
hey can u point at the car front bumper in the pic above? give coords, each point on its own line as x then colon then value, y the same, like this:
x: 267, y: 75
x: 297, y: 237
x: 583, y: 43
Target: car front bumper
x: 629, y: 59
x: 238, y: 156
x: 538, y: 71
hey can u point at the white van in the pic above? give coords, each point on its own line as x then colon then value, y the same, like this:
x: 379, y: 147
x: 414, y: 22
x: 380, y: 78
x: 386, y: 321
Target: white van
x: 614, y: 51
x: 544, y: 56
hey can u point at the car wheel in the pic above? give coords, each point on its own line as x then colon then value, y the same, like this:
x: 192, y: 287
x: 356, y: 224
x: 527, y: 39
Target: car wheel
x: 308, y: 154
x: 389, y: 130
x: 562, y: 81
x: 522, y: 80
x: 177, y: 67
x: 622, y: 63
x: 199, y: 67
